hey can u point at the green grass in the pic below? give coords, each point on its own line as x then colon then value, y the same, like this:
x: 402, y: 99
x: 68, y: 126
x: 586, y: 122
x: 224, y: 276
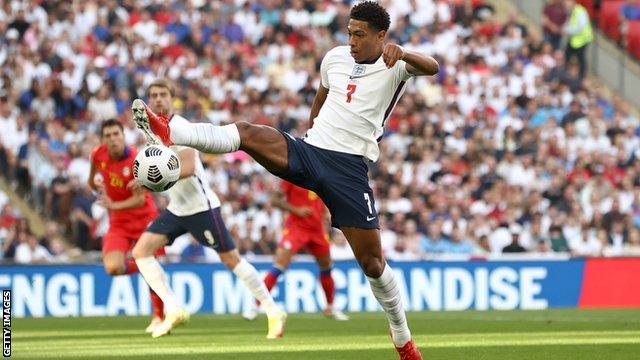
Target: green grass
x: 552, y: 334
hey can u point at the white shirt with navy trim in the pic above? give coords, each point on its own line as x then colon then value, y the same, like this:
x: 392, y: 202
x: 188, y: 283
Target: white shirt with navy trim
x: 360, y: 100
x: 191, y: 195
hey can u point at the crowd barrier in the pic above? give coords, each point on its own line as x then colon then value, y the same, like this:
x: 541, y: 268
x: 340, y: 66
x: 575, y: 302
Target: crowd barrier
x: 86, y: 290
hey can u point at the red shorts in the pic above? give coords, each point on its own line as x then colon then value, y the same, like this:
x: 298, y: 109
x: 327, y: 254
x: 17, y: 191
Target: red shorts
x: 123, y: 238
x: 316, y: 242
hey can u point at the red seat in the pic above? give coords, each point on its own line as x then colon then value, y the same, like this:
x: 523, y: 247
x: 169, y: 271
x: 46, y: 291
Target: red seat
x: 609, y: 21
x: 633, y: 38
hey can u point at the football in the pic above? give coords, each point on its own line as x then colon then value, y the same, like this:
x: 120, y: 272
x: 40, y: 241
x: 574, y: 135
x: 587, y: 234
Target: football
x: 156, y: 167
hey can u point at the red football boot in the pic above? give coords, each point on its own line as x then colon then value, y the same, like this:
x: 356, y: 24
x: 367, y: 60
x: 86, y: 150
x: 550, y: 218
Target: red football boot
x: 155, y: 127
x: 409, y: 351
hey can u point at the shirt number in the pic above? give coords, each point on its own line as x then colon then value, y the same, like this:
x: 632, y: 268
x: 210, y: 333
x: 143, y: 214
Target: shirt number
x: 351, y: 89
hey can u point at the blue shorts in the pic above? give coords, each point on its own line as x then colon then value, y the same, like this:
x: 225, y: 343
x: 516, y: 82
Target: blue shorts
x: 207, y: 227
x: 340, y: 179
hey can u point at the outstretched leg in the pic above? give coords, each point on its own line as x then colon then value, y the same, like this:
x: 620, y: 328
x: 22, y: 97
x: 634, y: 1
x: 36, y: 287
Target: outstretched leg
x: 264, y: 143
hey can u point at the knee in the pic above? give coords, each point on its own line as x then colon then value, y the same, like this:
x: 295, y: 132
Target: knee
x: 144, y: 247
x: 245, y: 128
x: 114, y: 269
x: 372, y: 266
x: 230, y: 259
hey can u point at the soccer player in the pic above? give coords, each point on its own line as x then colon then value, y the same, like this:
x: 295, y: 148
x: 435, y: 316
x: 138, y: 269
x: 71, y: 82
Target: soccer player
x: 360, y: 85
x: 193, y: 208
x: 303, y: 228
x: 131, y: 209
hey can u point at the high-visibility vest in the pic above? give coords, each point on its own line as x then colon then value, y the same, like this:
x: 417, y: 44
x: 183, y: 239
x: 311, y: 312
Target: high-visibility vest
x: 585, y: 36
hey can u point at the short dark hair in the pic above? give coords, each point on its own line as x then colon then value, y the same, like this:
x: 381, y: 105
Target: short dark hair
x: 371, y: 12
x: 109, y: 123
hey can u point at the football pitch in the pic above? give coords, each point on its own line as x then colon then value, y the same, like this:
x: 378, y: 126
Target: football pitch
x: 550, y: 334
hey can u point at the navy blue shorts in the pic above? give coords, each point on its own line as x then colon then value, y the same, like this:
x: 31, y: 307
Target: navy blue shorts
x: 207, y: 227
x: 341, y: 180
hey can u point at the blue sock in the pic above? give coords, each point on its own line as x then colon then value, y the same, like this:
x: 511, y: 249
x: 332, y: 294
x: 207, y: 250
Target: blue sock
x: 275, y: 272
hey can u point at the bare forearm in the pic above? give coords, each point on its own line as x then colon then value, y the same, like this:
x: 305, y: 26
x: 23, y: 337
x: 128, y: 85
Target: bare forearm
x: 283, y: 205
x: 130, y: 203
x: 420, y: 64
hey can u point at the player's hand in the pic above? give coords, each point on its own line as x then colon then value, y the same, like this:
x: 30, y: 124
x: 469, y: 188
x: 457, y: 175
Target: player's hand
x: 303, y: 211
x: 100, y: 188
x: 391, y: 54
x: 105, y: 202
x: 134, y: 186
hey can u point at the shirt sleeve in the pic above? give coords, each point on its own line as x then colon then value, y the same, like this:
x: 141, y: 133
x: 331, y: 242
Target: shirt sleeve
x: 324, y: 67
x: 401, y: 72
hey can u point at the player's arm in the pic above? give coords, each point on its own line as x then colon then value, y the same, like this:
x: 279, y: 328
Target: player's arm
x: 278, y: 200
x: 318, y: 101
x: 417, y: 64
x: 136, y: 200
x: 91, y: 181
x: 187, y: 162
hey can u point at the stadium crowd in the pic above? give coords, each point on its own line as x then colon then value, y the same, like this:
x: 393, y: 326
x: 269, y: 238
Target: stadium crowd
x: 508, y: 149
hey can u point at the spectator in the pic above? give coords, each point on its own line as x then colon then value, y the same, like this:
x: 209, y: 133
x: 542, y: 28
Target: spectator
x: 434, y: 242
x: 31, y: 252
x: 587, y: 242
x: 554, y: 16
x: 578, y: 28
x: 515, y: 246
x: 558, y: 242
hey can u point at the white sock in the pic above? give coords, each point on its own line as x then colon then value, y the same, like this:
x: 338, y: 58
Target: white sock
x: 386, y: 291
x: 249, y: 276
x: 156, y: 278
x: 207, y: 138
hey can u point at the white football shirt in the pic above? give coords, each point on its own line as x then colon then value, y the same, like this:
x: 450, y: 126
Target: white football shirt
x: 191, y: 195
x: 360, y: 100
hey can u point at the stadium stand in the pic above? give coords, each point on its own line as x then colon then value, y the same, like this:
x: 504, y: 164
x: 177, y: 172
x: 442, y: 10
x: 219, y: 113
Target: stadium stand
x: 618, y: 20
x: 506, y: 148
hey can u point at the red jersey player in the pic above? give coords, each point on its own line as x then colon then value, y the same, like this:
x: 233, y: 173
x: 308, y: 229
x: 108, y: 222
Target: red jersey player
x: 303, y: 228
x: 131, y: 209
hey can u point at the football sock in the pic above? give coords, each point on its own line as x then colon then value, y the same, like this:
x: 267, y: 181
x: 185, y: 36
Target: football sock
x: 207, y: 138
x: 249, y: 276
x: 385, y: 289
x: 156, y: 278
x: 156, y: 305
x: 271, y: 279
x: 130, y: 267
x: 326, y: 280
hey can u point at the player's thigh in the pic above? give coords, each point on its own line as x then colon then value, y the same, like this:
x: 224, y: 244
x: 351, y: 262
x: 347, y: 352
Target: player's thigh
x: 209, y: 229
x: 282, y: 258
x: 290, y: 243
x: 149, y: 244
x: 161, y: 232
x: 116, y: 240
x: 266, y: 145
x: 367, y: 249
